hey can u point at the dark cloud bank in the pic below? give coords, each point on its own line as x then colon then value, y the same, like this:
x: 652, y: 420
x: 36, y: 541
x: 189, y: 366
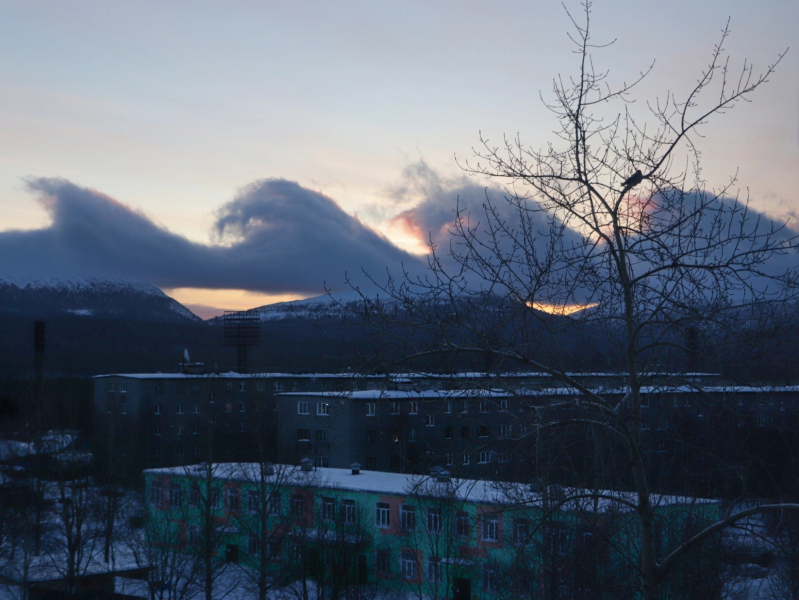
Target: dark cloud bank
x: 274, y: 237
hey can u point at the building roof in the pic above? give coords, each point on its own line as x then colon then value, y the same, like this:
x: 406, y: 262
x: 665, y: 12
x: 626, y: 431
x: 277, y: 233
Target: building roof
x: 399, y: 484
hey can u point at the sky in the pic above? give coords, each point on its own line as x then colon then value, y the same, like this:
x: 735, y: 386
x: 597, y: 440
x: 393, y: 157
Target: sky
x: 240, y: 153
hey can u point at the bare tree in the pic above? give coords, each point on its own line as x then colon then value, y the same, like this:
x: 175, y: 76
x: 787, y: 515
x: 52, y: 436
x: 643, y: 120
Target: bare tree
x: 611, y: 236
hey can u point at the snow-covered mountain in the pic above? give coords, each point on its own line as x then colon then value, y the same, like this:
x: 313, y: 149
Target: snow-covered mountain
x: 90, y: 297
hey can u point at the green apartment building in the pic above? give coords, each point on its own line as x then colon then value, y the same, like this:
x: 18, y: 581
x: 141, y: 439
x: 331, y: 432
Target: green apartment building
x: 366, y: 534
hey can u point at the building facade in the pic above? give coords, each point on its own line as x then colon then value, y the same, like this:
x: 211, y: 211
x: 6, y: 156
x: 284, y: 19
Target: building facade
x: 434, y: 537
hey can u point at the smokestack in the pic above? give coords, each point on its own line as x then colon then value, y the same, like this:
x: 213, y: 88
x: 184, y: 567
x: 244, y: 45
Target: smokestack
x: 38, y: 349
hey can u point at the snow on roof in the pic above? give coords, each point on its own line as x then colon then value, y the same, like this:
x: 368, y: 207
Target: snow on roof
x: 52, y: 441
x: 397, y: 377
x: 398, y: 484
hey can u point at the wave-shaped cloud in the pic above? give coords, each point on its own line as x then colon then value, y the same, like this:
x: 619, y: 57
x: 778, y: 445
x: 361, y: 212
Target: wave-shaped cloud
x: 278, y: 237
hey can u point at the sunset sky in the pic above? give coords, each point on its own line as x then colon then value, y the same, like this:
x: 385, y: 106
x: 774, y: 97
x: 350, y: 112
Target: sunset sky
x: 162, y: 129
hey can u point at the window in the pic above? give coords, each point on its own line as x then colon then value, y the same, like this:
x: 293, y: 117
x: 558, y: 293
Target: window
x: 156, y: 493
x: 371, y: 436
x: 303, y: 408
x: 430, y: 421
x: 761, y: 421
x: 395, y: 408
x: 489, y: 578
x: 483, y: 404
x: 645, y: 425
x: 228, y: 407
x: 411, y: 435
x: 371, y: 463
x: 434, y: 520
x: 123, y: 387
x: 158, y: 451
x: 413, y: 407
x: 242, y: 386
x: 243, y: 428
x: 371, y: 409
x: 279, y: 387
x: 465, y: 459
x: 449, y: 460
x: 383, y: 562
x: 195, y: 388
x: 321, y: 435
x: 395, y: 435
x: 196, y: 451
x: 229, y: 386
x: 273, y: 506
x: 180, y: 429
x: 196, y: 429
x: 241, y: 407
x: 465, y: 407
x: 645, y: 401
x: 253, y: 501
x: 303, y: 435
x: 212, y: 418
x: 179, y: 450
x: 296, y: 506
x: 447, y: 433
x: 490, y: 527
x: 180, y: 409
x: 323, y: 461
x: 348, y: 511
x: 663, y: 424
x: 465, y: 433
x: 521, y: 531
x: 382, y: 515
x: 295, y: 386
x: 434, y: 569
x: 396, y: 464
x: 111, y: 386
x: 260, y: 386
x: 462, y: 524
x: 408, y: 565
x: 273, y: 547
x: 157, y: 409
x: 503, y: 406
x: 233, y: 499
x: 407, y: 517
x: 483, y: 431
x: 194, y: 496
x: 328, y: 509
x: 174, y: 496
x: 194, y: 535
x: 323, y: 409
x: 484, y: 457
x: 195, y: 408
x: 505, y: 431
x: 503, y: 457
x: 122, y: 407
x: 157, y: 430
x: 448, y: 408
x: 253, y: 544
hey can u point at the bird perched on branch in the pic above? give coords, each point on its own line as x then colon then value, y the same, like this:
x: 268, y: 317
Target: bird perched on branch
x: 633, y: 179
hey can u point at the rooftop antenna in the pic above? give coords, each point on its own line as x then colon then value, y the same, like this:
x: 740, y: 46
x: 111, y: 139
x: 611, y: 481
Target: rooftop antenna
x: 242, y: 331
